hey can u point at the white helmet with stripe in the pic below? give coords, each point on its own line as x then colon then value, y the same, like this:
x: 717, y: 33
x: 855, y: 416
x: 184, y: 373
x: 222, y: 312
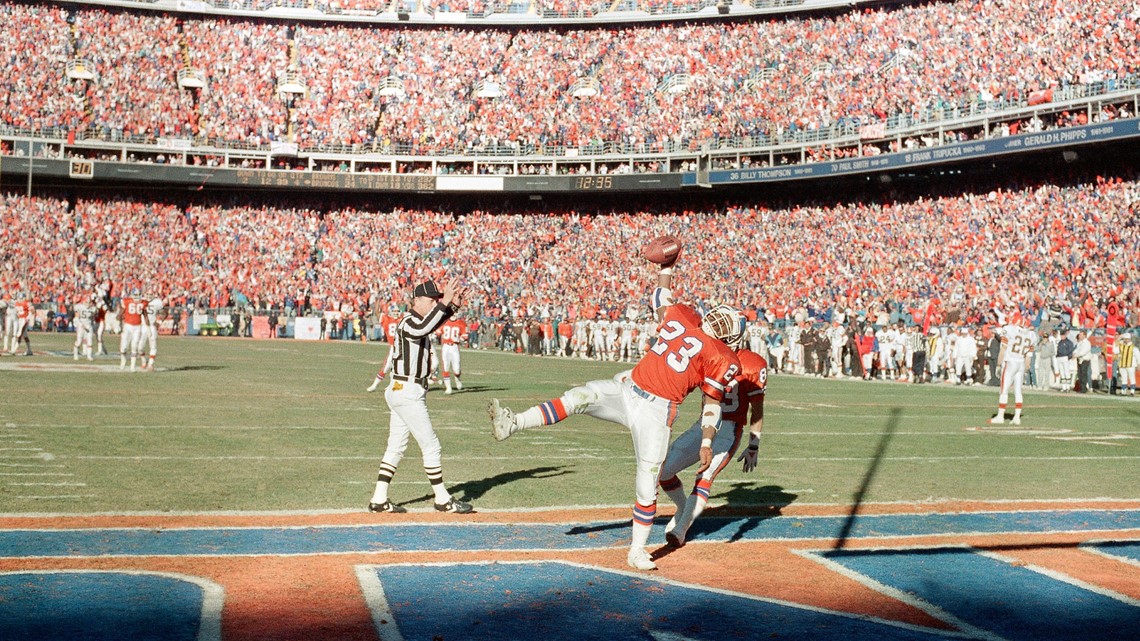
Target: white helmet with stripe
x: 724, y: 323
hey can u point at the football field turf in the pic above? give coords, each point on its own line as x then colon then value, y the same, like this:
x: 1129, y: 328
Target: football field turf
x: 241, y: 425
x: 223, y: 497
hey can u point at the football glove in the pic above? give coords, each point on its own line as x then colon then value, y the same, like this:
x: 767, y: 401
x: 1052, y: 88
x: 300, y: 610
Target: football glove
x: 750, y: 454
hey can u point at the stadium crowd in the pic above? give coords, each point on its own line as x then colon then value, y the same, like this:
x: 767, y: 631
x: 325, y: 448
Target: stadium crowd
x: 1037, y: 246
x: 763, y: 79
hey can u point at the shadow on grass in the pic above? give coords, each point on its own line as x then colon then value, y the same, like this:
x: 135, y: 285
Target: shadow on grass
x: 196, y: 368
x: 474, y: 490
x: 470, y: 389
x: 869, y: 477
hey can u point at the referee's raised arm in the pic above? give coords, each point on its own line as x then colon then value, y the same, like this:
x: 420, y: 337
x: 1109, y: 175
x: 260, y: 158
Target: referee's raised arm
x: 428, y: 316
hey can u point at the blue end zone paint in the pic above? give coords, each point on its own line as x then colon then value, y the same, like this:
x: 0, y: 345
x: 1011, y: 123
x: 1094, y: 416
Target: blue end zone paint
x: 471, y: 537
x: 98, y: 606
x: 550, y: 600
x: 1126, y: 549
x: 1014, y: 603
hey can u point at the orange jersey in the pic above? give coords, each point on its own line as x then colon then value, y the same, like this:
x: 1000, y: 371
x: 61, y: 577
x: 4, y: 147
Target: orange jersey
x: 132, y: 311
x: 750, y: 384
x: 453, y: 332
x: 23, y: 310
x: 685, y: 358
x: 388, y: 324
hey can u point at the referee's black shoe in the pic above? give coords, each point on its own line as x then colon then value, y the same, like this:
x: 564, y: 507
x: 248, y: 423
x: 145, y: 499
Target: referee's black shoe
x: 386, y: 506
x: 458, y: 507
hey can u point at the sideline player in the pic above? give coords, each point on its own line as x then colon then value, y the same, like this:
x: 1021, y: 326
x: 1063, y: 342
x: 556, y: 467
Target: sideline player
x: 23, y: 313
x: 690, y: 353
x: 102, y: 306
x: 741, y: 400
x: 407, y: 396
x: 150, y: 330
x: 83, y: 318
x: 7, y: 321
x: 131, y: 312
x: 388, y: 322
x: 1017, y: 343
x: 453, y: 332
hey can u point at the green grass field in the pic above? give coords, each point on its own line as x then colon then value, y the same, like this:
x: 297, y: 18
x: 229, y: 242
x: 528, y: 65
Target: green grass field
x: 240, y: 425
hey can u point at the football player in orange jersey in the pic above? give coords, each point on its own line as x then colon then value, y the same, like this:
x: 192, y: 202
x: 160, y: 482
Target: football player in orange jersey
x: 132, y: 309
x: 25, y: 316
x: 453, y: 332
x: 690, y: 353
x: 388, y: 322
x: 742, y: 400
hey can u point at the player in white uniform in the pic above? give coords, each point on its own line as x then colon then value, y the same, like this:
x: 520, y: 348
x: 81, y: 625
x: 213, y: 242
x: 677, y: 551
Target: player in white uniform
x: 965, y: 351
x: 837, y: 338
x: 598, y: 337
x: 83, y: 318
x: 625, y: 345
x: 102, y: 308
x: 1017, y: 343
x: 5, y: 310
x: 150, y: 330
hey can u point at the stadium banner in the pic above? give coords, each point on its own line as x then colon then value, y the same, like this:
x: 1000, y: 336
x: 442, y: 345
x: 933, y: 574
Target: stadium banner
x: 260, y: 327
x: 973, y: 149
x: 469, y: 183
x: 206, y: 177
x: 593, y: 182
x: 306, y: 328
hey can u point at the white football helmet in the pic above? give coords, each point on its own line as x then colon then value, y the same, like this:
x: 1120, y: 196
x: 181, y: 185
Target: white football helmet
x: 724, y: 323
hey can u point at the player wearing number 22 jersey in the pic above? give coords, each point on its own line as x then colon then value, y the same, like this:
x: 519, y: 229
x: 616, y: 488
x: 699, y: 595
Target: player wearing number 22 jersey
x: 1018, y: 341
x: 690, y: 353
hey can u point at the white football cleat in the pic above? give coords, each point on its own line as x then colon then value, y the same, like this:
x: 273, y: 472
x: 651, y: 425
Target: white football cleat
x: 997, y: 420
x: 1016, y: 420
x: 639, y: 559
x: 374, y: 385
x: 502, y: 420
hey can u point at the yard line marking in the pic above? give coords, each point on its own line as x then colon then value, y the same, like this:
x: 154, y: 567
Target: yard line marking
x: 36, y: 474
x: 608, y: 457
x: 37, y: 465
x: 64, y: 484
x: 21, y: 449
x: 57, y: 496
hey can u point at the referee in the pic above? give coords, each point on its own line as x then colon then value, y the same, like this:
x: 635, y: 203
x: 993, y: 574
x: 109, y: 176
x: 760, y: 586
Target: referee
x: 407, y: 395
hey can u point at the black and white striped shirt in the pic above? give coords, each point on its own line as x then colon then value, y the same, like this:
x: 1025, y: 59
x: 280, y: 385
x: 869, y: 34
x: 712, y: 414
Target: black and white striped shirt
x: 412, y: 358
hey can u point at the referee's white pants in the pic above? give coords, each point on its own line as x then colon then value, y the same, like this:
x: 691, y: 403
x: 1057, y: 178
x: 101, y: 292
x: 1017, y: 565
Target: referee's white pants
x: 408, y: 403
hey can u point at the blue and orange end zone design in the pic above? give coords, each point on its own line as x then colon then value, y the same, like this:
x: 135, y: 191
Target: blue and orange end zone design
x: 937, y: 571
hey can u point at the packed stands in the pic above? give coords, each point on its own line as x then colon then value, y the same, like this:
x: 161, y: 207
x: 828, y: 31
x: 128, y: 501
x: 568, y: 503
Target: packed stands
x: 1029, y: 243
x: 721, y: 83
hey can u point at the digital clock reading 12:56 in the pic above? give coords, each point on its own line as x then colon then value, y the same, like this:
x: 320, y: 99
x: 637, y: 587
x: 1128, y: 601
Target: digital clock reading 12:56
x: 593, y: 182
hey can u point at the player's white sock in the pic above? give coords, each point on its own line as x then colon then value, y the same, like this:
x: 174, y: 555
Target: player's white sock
x: 641, y: 530
x: 458, y: 383
x: 75, y: 354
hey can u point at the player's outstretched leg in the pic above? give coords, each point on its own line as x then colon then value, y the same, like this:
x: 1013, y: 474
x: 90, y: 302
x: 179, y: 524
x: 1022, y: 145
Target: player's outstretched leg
x: 503, y: 422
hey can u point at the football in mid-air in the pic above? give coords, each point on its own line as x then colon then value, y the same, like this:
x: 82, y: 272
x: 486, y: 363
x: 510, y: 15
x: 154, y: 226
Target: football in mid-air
x: 663, y: 250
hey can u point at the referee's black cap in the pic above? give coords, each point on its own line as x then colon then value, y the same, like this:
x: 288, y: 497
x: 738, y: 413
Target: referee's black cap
x: 427, y: 288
